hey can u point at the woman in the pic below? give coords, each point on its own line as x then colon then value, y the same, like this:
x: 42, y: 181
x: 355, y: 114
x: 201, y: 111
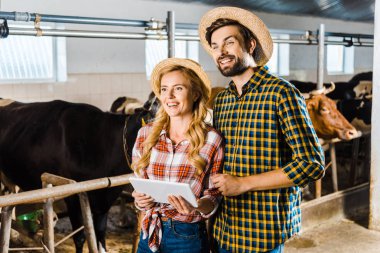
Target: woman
x: 178, y: 147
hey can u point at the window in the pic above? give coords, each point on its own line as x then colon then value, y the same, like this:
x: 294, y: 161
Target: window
x: 340, y: 59
x: 32, y: 59
x: 279, y: 62
x: 157, y: 50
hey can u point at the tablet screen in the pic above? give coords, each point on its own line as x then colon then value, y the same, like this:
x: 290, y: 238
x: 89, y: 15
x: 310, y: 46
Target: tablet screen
x: 160, y: 190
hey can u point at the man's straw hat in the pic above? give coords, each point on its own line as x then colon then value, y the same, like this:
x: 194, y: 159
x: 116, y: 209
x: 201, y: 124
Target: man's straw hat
x: 187, y: 63
x: 264, y: 41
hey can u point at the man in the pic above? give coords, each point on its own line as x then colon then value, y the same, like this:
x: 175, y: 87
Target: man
x: 271, y: 147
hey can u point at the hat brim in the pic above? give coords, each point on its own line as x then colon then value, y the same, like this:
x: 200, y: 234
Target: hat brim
x: 171, y: 62
x: 264, y: 47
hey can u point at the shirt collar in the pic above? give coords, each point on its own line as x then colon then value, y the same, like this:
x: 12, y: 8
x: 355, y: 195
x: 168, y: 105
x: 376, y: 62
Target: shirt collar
x: 164, y: 134
x: 253, y: 82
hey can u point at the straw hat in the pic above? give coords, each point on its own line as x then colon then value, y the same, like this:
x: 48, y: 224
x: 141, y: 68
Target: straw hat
x: 264, y: 41
x: 187, y: 63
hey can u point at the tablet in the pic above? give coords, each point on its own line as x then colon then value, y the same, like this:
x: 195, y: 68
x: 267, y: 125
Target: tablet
x: 160, y: 190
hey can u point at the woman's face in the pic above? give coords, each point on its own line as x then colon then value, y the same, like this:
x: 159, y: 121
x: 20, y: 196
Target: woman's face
x: 176, y: 95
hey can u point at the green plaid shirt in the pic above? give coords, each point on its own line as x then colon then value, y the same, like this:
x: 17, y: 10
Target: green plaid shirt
x: 266, y: 128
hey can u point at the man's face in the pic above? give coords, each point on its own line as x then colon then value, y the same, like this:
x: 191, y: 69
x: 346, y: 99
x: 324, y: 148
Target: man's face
x: 229, y: 51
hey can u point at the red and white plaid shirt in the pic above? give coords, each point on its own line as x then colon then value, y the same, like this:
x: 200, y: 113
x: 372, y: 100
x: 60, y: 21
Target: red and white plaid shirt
x: 169, y: 162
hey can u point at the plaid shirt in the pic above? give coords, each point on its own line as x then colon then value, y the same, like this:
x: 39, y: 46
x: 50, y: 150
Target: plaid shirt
x: 169, y: 162
x: 266, y: 128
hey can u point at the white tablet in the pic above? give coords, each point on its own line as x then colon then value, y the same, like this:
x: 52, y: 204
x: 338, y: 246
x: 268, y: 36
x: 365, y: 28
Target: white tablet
x: 160, y: 190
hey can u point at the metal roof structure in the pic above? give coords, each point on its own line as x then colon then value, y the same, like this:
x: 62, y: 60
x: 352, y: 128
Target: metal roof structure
x: 352, y: 10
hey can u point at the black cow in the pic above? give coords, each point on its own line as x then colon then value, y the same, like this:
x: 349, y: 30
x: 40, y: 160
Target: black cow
x: 127, y: 105
x: 357, y: 111
x: 76, y: 141
x: 343, y: 90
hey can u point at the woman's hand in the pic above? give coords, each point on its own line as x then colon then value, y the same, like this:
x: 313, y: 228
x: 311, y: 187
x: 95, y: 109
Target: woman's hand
x: 142, y: 200
x: 205, y: 205
x: 180, y: 204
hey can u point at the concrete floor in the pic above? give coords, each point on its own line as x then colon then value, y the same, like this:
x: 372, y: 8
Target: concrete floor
x: 346, y: 235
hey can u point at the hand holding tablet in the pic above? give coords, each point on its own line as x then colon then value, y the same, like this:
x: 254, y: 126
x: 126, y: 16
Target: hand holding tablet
x: 160, y: 190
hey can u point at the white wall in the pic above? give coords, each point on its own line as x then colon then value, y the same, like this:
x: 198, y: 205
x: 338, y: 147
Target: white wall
x: 102, y: 69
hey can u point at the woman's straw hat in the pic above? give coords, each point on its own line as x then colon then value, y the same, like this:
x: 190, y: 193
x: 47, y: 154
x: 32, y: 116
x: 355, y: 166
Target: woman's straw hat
x: 171, y: 62
x: 264, y: 41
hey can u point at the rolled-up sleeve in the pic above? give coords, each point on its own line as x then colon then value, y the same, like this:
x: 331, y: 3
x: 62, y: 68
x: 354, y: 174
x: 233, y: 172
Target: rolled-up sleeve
x: 307, y: 162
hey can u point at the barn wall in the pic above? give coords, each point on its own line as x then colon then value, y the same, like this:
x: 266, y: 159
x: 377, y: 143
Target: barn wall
x: 100, y: 70
x: 96, y: 89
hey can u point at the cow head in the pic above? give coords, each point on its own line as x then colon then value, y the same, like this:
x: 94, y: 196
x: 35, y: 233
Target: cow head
x: 214, y: 92
x: 125, y: 105
x: 328, y: 122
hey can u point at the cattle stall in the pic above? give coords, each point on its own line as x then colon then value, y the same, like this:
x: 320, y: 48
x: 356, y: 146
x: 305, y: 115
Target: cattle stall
x: 309, y: 38
x: 63, y: 188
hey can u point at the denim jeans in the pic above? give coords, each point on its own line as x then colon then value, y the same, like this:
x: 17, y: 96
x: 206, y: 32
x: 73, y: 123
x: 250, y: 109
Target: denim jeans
x: 278, y: 249
x: 179, y: 237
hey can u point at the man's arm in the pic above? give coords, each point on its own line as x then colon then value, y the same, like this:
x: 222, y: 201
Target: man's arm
x: 230, y: 185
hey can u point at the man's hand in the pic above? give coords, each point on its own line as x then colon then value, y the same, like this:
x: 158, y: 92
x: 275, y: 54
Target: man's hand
x: 228, y: 185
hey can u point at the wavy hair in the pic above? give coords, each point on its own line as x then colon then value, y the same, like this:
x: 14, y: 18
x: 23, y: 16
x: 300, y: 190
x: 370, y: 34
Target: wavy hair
x: 197, y: 131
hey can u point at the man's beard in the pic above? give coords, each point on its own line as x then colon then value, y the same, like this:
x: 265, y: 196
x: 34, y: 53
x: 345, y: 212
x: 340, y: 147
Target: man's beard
x: 238, y: 68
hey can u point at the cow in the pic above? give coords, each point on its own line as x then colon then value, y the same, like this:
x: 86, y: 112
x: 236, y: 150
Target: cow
x: 125, y: 105
x: 343, y: 90
x: 354, y: 98
x: 73, y: 140
x: 357, y: 111
x: 214, y: 92
x: 328, y: 122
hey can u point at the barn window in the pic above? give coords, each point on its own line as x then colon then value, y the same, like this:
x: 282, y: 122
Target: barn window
x: 32, y: 59
x: 340, y: 59
x: 279, y: 62
x: 157, y: 50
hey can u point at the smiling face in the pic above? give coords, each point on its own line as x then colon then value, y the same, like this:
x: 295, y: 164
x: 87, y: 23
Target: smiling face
x: 177, y: 96
x: 229, y: 52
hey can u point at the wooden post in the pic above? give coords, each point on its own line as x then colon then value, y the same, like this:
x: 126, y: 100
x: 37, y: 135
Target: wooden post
x: 136, y: 233
x: 334, y: 170
x: 6, y: 222
x: 48, y: 222
x: 88, y: 223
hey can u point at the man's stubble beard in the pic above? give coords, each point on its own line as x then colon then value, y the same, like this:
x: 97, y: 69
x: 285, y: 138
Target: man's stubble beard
x: 238, y: 68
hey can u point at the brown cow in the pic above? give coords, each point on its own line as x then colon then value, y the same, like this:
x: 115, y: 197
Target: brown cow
x: 214, y: 91
x: 328, y: 122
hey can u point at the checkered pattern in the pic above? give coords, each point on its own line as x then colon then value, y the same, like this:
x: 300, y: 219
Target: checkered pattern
x: 266, y: 128
x: 169, y: 162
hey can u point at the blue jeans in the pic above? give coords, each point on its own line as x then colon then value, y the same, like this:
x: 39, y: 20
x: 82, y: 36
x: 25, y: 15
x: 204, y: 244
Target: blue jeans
x: 179, y: 237
x: 278, y: 249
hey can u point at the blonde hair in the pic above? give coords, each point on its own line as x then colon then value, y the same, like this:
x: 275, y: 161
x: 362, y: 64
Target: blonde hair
x: 196, y: 134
